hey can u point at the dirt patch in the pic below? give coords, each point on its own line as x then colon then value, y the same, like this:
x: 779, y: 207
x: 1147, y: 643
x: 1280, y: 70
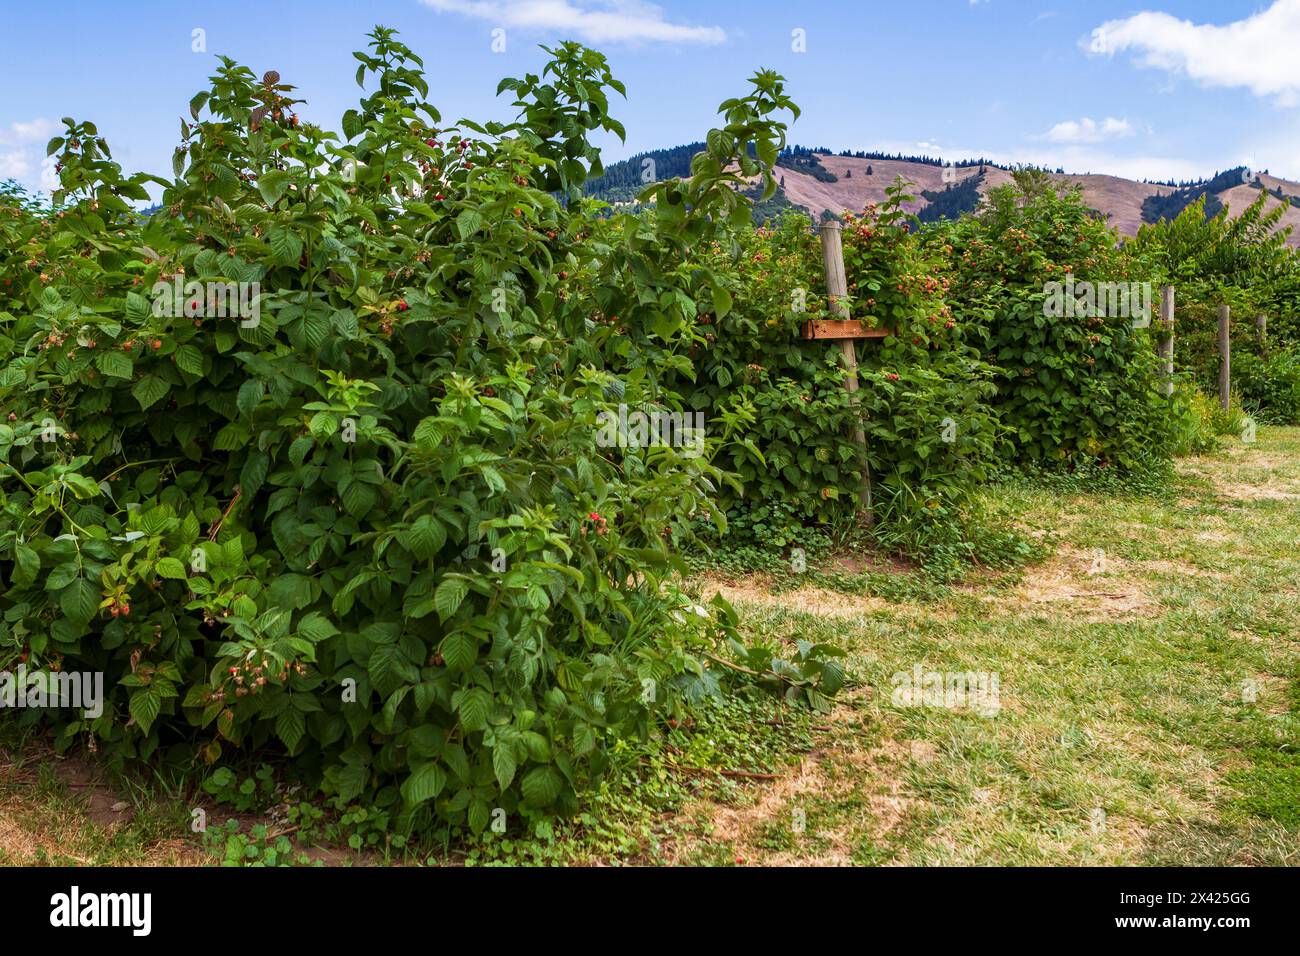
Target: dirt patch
x: 102, y: 805
x: 1093, y: 586
x: 806, y: 600
x: 867, y: 562
x: 846, y: 772
x: 37, y: 830
x: 1265, y: 471
x: 1215, y: 536
x: 1265, y: 492
x: 1177, y: 569
x: 34, y: 833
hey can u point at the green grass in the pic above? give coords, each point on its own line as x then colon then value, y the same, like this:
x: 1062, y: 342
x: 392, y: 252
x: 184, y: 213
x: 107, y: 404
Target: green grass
x: 1149, y: 679
x: 1148, y: 676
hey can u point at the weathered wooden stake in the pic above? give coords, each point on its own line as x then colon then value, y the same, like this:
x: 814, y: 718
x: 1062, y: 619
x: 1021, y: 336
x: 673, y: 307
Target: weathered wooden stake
x: 1225, y: 357
x: 1167, y: 340
x: 1261, y: 323
x: 837, y: 289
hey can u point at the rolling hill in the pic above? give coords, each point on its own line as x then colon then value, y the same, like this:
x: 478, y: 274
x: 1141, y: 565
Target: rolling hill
x: 820, y: 181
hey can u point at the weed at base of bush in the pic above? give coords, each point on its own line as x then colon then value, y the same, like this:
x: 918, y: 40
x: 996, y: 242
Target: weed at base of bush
x: 1152, y: 477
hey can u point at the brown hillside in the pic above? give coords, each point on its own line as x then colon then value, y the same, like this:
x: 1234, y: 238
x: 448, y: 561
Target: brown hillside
x: 1239, y: 197
x: 1118, y: 198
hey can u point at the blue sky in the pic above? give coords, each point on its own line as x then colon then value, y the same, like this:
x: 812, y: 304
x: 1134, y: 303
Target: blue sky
x: 1170, y: 89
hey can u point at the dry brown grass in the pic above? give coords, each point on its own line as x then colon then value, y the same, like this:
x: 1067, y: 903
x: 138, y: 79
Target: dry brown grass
x: 1118, y: 198
x: 74, y: 818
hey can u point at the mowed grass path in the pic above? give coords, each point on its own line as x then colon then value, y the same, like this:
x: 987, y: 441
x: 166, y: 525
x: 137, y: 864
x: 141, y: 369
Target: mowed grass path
x: 1149, y: 690
x: 1148, y: 711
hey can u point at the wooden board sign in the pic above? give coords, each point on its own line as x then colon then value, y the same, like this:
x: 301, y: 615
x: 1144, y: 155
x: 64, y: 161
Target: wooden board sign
x: 841, y: 329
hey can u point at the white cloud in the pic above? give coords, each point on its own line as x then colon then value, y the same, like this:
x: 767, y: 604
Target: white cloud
x: 1080, y: 160
x: 1087, y: 130
x: 24, y: 133
x: 1257, y: 53
x: 14, y: 164
x: 1275, y: 148
x: 34, y: 132
x: 1072, y: 158
x: 596, y: 21
x: 22, y: 152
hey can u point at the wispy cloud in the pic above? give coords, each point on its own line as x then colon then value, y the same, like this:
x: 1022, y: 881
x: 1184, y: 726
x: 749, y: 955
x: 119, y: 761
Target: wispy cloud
x: 1087, y: 130
x: 37, y: 130
x: 596, y: 21
x: 1257, y: 52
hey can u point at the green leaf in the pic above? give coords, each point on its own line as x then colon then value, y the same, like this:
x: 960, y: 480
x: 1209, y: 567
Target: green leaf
x: 171, y: 568
x: 149, y: 390
x: 137, y: 307
x: 27, y: 564
x: 290, y: 727
x: 272, y: 184
x: 286, y: 246
x: 429, y: 434
x: 358, y: 497
x: 460, y: 651
x: 144, y: 705
x: 79, y: 600
x: 425, y: 537
x: 479, y: 815
x: 253, y: 474
x: 353, y: 125
x: 469, y: 222
x: 450, y: 595
x: 541, y: 786
x: 63, y: 575
x: 475, y: 708
x: 584, y: 739
x: 721, y: 301
x: 114, y: 363
x: 424, y: 783
x: 350, y: 780
x: 250, y: 393
x: 323, y: 425
x: 389, y: 669
x: 316, y: 627
x: 503, y: 763
x: 300, y: 448
x: 189, y: 359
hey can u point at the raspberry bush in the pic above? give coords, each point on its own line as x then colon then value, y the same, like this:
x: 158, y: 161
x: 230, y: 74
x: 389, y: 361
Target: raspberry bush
x: 369, y: 523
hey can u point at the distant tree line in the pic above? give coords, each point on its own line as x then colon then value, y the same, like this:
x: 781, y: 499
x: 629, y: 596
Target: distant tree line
x: 953, y: 201
x: 1193, y: 183
x: 624, y: 180
x: 923, y: 160
x: 807, y: 162
x: 1155, y: 208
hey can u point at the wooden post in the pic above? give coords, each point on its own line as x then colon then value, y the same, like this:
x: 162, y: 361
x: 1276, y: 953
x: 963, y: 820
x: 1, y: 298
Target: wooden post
x: 1261, y: 323
x: 1225, y: 357
x: 837, y: 289
x: 1167, y: 340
